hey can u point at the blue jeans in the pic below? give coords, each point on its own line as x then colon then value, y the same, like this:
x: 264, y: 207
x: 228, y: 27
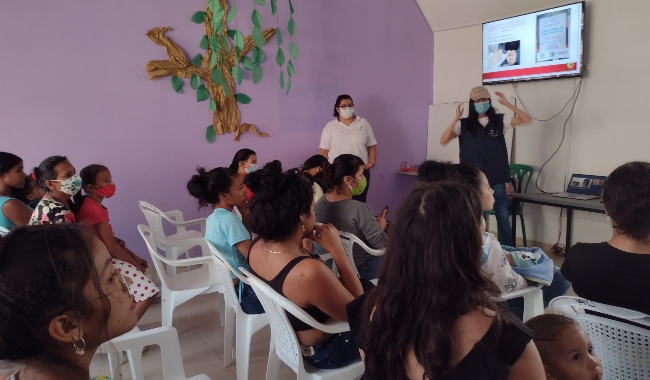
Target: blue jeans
x: 249, y: 301
x: 501, y: 213
x: 336, y: 352
x: 370, y: 268
x: 559, y: 286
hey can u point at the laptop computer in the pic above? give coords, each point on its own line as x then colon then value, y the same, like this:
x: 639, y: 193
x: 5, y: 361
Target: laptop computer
x: 583, y: 187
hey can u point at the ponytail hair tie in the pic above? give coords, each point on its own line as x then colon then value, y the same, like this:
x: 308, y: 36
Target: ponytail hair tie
x: 33, y: 175
x: 301, y: 167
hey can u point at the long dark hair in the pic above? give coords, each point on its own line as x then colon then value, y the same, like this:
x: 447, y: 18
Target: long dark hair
x: 315, y: 161
x: 207, y: 186
x: 241, y: 155
x: 43, y: 273
x: 430, y: 276
x: 345, y: 165
x: 472, y: 118
x: 278, y: 201
x: 88, y: 177
x: 45, y: 170
x: 626, y: 197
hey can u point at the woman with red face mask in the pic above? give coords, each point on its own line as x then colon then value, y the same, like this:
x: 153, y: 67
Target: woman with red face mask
x: 97, y: 184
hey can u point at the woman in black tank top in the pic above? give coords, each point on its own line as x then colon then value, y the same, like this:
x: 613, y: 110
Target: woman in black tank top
x: 282, y: 215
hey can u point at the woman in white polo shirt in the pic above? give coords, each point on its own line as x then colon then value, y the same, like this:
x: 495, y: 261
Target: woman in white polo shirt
x: 349, y: 134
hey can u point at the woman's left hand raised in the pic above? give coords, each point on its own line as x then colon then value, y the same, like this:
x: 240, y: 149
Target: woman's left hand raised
x: 502, y: 98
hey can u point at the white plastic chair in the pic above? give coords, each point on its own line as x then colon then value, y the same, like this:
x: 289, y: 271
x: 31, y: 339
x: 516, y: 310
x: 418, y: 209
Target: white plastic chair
x: 533, y: 300
x: 176, y: 244
x: 3, y: 231
x: 284, y: 342
x: 349, y: 240
x: 185, y: 285
x: 622, y: 345
x: 166, y: 338
x: 246, y: 324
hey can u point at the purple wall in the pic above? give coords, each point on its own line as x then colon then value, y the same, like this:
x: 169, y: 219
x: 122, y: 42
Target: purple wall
x: 73, y: 83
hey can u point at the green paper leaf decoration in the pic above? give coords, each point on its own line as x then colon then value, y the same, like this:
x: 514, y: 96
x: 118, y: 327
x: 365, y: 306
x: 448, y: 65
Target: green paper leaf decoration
x: 274, y: 7
x: 202, y: 93
x: 231, y: 33
x: 258, y: 37
x: 291, y: 26
x: 254, y: 54
x: 204, y: 43
x: 290, y: 69
x: 195, y: 82
x: 217, y: 76
x: 258, y: 55
x: 237, y: 74
x: 293, y: 50
x: 282, y: 79
x: 239, y: 40
x: 242, y: 98
x: 209, y: 134
x: 247, y: 63
x: 214, y: 5
x: 290, y: 7
x: 177, y: 84
x: 225, y: 43
x: 278, y: 35
x: 231, y: 13
x: 217, y: 19
x: 288, y: 85
x: 260, y: 2
x: 213, y: 59
x: 226, y: 89
x: 219, y: 28
x: 257, y: 74
x: 215, y: 43
x: 196, y: 61
x: 279, y: 57
x: 198, y: 17
x: 237, y: 54
x: 256, y: 17
x: 213, y: 105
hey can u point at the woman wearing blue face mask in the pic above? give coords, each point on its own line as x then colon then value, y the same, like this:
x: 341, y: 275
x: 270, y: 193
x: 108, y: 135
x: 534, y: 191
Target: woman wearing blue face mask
x: 349, y: 134
x: 481, y: 143
x: 59, y: 178
x: 245, y: 162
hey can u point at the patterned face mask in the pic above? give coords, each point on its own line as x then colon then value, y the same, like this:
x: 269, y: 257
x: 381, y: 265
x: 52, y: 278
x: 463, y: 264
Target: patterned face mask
x: 70, y: 186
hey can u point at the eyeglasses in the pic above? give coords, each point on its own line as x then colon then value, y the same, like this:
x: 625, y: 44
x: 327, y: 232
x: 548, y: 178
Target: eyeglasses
x: 358, y: 180
x: 346, y: 105
x: 120, y: 277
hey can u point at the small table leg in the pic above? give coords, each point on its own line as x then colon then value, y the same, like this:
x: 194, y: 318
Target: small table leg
x: 515, y: 206
x: 569, y: 222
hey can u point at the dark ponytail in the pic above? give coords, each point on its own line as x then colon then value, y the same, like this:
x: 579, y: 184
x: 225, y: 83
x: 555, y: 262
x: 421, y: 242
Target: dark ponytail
x: 45, y: 171
x: 88, y: 177
x: 241, y: 155
x: 207, y: 186
x: 345, y: 165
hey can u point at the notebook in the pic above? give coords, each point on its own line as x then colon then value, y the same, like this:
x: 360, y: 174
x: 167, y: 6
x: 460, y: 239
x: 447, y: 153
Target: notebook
x: 583, y: 187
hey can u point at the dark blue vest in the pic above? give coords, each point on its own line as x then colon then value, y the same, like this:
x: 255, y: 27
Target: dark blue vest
x: 485, y: 148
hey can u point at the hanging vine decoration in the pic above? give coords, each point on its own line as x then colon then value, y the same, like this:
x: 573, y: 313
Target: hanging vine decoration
x: 214, y: 73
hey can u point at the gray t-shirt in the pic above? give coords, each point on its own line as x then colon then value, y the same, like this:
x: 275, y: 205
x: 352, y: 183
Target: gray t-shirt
x: 356, y: 218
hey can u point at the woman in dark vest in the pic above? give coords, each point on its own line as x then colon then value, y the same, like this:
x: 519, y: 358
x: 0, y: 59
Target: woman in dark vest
x: 481, y: 143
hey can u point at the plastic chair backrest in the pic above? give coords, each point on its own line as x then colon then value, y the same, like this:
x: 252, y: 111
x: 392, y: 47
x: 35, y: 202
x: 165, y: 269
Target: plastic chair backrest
x: 151, y: 240
x: 224, y: 269
x: 3, y: 231
x: 523, y: 173
x: 154, y: 218
x: 623, y: 345
x: 348, y: 241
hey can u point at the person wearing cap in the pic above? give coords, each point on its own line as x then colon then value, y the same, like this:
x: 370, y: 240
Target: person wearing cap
x: 481, y: 143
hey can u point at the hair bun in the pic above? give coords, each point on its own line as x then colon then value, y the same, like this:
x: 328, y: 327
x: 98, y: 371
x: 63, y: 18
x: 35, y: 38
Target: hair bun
x: 266, y: 180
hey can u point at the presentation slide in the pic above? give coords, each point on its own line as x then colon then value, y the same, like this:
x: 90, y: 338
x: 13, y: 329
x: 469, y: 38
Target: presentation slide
x: 536, y: 45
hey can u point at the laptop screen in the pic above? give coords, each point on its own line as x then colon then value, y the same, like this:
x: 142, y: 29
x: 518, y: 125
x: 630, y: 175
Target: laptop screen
x: 586, y: 184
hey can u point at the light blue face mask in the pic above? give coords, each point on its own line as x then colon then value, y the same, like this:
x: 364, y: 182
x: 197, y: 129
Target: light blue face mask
x: 482, y: 107
x: 252, y: 168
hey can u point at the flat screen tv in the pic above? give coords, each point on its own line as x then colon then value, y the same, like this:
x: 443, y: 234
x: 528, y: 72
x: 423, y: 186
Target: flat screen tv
x: 539, y: 45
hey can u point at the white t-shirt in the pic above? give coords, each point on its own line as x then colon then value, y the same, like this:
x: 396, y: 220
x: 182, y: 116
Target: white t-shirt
x: 340, y: 139
x: 507, y: 119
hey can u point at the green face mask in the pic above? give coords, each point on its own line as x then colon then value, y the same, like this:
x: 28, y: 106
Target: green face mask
x: 362, y: 186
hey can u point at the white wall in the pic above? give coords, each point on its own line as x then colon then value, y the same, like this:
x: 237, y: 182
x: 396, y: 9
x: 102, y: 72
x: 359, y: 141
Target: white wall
x: 609, y: 125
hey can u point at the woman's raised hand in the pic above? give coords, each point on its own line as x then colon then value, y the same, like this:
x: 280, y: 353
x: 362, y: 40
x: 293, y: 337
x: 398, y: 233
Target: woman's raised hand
x: 459, y: 111
x: 327, y: 236
x: 502, y: 98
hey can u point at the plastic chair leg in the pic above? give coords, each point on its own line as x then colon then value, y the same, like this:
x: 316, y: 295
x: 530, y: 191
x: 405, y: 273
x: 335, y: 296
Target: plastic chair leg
x: 523, y: 229
x: 222, y: 309
x: 243, y: 348
x: 229, y: 337
x: 273, y: 367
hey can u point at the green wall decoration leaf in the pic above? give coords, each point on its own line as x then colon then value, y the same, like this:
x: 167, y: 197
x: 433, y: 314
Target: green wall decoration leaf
x: 288, y: 85
x: 291, y: 26
x: 204, y: 44
x: 293, y: 50
x: 231, y: 33
x: 214, y: 5
x: 247, y: 63
x: 290, y: 7
x: 198, y: 17
x: 239, y: 40
x: 213, y: 59
x: 242, y: 98
x: 290, y: 69
x: 257, y: 74
x: 225, y: 43
x: 217, y: 76
x: 195, y: 82
x: 231, y: 13
x: 177, y: 84
x: 237, y: 74
x: 196, y: 61
x: 260, y: 2
x: 258, y: 37
x: 226, y: 89
x: 274, y: 7
x: 213, y: 105
x: 259, y: 55
x: 279, y: 57
x: 256, y: 18
x: 215, y: 43
x: 217, y: 19
x: 278, y: 36
x: 282, y: 79
x: 202, y: 93
x: 209, y: 134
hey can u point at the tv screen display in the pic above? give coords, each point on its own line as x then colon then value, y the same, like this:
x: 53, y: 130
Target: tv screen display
x: 539, y: 45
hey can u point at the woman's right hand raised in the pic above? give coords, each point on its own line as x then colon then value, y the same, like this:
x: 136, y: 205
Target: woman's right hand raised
x: 327, y: 236
x: 459, y: 111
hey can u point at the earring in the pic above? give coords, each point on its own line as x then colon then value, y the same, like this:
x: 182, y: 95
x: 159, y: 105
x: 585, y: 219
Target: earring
x: 303, y: 227
x: 79, y: 350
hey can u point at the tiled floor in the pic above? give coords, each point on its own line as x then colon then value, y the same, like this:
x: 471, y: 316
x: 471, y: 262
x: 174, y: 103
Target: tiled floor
x: 201, y: 339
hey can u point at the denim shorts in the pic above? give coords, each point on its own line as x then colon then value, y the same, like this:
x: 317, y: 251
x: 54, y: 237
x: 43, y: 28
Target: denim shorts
x: 336, y: 352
